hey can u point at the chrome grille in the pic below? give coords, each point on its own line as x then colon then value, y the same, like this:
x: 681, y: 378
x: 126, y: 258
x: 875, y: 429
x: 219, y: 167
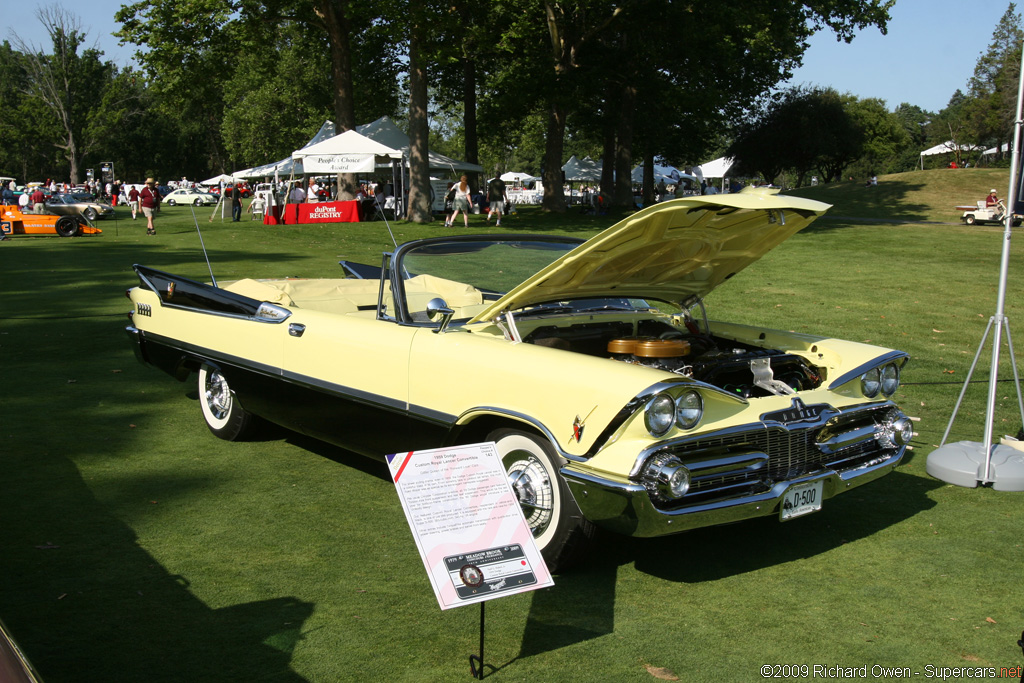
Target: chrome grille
x: 785, y: 453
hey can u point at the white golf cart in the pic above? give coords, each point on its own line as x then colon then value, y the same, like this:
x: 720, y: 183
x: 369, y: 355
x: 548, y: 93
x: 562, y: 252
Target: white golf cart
x: 985, y: 214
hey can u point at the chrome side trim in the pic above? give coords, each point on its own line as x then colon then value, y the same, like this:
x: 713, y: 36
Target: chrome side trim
x: 521, y: 417
x: 864, y: 367
x: 202, y: 354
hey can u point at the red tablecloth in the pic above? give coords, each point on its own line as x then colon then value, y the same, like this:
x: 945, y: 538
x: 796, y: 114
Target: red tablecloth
x: 320, y: 212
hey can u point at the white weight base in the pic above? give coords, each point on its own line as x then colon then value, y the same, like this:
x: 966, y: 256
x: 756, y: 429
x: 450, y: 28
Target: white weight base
x: 963, y: 464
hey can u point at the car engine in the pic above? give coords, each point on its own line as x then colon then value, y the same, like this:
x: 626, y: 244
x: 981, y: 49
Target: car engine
x: 745, y: 370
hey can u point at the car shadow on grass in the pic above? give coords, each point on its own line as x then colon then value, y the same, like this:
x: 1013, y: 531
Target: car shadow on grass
x: 74, y: 560
x: 581, y: 605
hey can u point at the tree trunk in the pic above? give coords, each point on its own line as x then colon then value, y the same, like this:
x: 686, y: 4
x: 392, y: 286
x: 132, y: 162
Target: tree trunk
x: 472, y: 150
x: 554, y: 193
x: 419, y: 161
x: 71, y: 152
x: 339, y: 28
x: 608, y: 153
x: 624, y: 149
x: 648, y: 177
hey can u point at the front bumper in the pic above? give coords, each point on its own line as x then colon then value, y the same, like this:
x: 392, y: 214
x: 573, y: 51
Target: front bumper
x: 627, y: 508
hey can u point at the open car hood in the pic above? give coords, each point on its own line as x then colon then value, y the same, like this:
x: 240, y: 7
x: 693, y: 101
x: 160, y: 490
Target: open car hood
x: 669, y: 251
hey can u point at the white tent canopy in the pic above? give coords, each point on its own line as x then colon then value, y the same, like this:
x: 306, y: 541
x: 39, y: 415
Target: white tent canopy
x: 386, y: 132
x: 288, y: 166
x: 670, y: 175
x: 718, y: 168
x: 945, y: 148
x: 582, y: 169
x: 222, y: 178
x: 349, y: 152
x: 516, y: 177
x: 1004, y: 148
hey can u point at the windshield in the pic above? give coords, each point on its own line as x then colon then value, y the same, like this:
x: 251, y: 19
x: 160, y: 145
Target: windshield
x: 466, y: 272
x: 490, y: 266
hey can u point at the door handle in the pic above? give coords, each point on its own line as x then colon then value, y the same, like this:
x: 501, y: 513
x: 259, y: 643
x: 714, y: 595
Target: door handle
x: 295, y: 329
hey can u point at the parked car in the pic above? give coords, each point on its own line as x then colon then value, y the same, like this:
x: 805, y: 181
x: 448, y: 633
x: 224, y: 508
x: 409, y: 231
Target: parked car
x: 190, y: 196
x: 613, y: 398
x: 78, y: 204
x: 14, y: 221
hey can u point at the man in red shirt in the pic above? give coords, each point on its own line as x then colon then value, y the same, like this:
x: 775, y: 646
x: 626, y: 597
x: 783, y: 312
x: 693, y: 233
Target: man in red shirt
x: 150, y: 198
x: 38, y: 198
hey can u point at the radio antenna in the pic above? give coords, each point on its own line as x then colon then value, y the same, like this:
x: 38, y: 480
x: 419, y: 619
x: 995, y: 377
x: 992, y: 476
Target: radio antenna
x: 203, y: 244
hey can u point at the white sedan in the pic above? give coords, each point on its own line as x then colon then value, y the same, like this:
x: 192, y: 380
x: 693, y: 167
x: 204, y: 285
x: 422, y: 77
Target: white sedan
x: 190, y: 196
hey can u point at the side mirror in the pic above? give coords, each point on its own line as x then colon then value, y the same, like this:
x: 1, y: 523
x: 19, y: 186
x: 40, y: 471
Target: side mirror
x: 439, y: 307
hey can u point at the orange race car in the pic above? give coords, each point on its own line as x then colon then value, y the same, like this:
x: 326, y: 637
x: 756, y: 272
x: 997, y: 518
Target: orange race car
x: 13, y: 221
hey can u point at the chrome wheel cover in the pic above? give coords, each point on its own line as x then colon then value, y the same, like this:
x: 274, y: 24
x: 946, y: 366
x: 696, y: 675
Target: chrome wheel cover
x: 533, y: 488
x: 217, y: 395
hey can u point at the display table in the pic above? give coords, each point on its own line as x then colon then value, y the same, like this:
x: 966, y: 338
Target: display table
x: 313, y: 212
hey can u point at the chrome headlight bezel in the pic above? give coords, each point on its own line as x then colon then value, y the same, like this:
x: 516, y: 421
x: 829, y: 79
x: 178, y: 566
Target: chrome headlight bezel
x: 871, y: 383
x: 889, y: 379
x: 689, y: 409
x: 660, y: 415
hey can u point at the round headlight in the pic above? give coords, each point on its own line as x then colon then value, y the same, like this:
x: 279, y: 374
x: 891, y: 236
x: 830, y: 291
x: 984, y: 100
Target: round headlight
x: 689, y: 410
x: 659, y: 414
x: 890, y: 379
x: 870, y: 383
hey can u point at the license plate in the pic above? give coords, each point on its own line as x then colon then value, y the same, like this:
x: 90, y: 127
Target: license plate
x: 802, y: 499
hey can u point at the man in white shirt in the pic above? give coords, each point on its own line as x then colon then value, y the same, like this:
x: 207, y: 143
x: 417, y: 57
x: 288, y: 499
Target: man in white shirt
x: 297, y: 195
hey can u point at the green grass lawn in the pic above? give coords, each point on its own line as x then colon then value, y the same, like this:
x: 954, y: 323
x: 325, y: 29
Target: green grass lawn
x: 135, y: 546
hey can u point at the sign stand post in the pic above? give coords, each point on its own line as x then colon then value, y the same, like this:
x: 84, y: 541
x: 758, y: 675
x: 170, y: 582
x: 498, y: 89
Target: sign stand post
x: 469, y: 528
x: 476, y: 664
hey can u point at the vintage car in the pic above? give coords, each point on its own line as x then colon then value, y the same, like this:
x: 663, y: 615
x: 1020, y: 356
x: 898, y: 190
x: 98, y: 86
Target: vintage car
x: 78, y: 204
x: 14, y: 221
x: 612, y: 397
x: 189, y: 196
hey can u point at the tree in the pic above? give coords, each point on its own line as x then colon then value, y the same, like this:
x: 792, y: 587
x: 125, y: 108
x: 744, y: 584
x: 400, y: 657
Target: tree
x: 684, y: 69
x: 992, y: 90
x: 200, y: 45
x: 885, y: 137
x: 949, y: 127
x: 801, y: 129
x: 67, y: 83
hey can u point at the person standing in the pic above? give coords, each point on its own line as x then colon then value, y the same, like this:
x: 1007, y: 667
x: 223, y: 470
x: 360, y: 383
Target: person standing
x: 150, y: 199
x: 463, y: 202
x: 133, y: 200
x: 496, y: 198
x: 236, y: 203
x: 8, y: 194
x: 38, y: 199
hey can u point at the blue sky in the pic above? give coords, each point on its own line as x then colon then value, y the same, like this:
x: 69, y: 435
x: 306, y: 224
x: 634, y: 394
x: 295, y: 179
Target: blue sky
x: 930, y: 50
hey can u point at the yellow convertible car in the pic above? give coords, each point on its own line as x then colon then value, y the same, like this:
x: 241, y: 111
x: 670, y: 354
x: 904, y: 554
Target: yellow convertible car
x: 613, y: 398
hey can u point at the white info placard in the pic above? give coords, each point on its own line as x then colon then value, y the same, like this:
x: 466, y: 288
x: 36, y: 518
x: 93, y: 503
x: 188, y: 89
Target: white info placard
x: 468, y: 526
